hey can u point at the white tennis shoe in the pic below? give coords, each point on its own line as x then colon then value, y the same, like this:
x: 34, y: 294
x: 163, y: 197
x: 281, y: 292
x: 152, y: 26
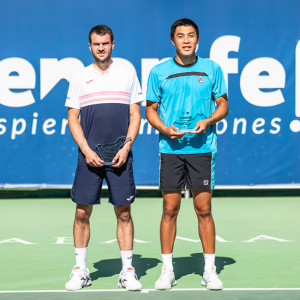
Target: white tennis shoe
x: 166, y: 279
x: 79, y: 278
x: 129, y: 280
x: 211, y: 280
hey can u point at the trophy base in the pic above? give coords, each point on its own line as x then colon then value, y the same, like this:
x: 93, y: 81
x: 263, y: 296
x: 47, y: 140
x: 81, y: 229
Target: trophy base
x: 186, y: 130
x: 108, y: 163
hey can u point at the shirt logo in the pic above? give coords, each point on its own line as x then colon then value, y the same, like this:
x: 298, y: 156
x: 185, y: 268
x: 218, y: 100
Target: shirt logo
x: 200, y: 79
x: 205, y: 182
x: 90, y: 81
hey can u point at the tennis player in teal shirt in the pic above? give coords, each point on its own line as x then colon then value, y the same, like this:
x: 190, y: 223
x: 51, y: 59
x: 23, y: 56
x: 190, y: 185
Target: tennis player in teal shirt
x: 192, y: 97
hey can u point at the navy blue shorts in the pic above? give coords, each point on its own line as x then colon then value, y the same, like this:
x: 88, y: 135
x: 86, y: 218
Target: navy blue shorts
x: 88, y: 184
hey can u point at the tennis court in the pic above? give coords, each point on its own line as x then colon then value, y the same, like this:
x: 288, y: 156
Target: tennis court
x: 257, y: 249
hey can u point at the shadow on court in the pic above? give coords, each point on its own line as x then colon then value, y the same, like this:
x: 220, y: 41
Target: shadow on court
x: 194, y: 264
x: 111, y: 267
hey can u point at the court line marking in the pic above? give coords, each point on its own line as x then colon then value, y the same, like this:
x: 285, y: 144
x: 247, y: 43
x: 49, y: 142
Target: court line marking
x: 152, y: 290
x: 239, y: 289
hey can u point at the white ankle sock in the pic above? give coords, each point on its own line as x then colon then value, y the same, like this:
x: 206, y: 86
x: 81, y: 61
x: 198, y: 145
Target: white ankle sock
x: 80, y: 255
x: 209, y: 260
x: 167, y: 260
x: 126, y: 257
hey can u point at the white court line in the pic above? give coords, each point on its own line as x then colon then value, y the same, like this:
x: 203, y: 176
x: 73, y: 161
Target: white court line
x: 8, y: 186
x: 240, y: 289
x: 61, y: 291
x: 153, y: 290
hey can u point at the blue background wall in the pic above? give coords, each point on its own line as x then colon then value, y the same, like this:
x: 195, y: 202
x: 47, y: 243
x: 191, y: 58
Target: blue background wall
x: 33, y: 30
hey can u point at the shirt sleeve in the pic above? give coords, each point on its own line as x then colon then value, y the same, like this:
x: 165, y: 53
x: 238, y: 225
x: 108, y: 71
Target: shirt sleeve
x: 73, y: 95
x: 136, y: 91
x: 219, y: 87
x: 153, y: 93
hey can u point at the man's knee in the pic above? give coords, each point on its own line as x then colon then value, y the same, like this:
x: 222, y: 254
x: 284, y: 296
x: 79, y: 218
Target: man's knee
x: 83, y: 214
x: 169, y: 213
x: 204, y: 212
x: 123, y: 213
x: 125, y: 217
x: 171, y: 205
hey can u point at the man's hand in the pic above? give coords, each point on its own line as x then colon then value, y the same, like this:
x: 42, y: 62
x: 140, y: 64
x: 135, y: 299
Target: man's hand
x: 156, y: 122
x: 121, y: 157
x: 171, y: 133
x: 93, y: 159
x: 201, y: 126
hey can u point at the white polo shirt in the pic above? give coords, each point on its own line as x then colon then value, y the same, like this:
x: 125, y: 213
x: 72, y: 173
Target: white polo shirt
x: 104, y: 103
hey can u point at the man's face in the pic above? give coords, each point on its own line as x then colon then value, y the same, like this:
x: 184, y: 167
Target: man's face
x: 185, y: 40
x: 101, y: 47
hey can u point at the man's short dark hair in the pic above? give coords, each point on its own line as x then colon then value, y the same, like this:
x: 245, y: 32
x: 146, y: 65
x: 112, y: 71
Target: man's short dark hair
x: 183, y: 22
x: 101, y: 30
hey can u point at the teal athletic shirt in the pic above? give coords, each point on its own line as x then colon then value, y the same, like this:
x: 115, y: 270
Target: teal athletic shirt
x: 186, y: 95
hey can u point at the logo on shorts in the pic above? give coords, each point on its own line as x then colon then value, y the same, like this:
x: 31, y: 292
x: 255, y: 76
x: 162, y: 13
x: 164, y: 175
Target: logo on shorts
x: 130, y: 198
x: 205, y: 182
x: 200, y: 79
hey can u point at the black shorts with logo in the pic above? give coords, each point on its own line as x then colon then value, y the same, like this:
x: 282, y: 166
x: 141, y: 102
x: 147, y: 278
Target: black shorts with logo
x: 192, y: 171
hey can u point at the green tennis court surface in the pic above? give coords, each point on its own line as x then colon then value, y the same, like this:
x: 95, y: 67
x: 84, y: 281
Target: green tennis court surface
x: 258, y: 242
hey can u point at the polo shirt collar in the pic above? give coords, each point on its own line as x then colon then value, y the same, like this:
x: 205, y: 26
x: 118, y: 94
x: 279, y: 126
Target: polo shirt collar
x: 106, y: 72
x: 185, y: 66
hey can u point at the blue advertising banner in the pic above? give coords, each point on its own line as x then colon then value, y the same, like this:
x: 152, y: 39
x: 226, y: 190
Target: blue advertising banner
x: 42, y: 43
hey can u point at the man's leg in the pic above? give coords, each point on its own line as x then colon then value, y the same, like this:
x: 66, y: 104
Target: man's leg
x: 85, y: 193
x: 171, y: 206
x: 202, y: 205
x: 81, y: 233
x: 121, y: 199
x: 80, y: 274
x: 124, y: 227
x: 125, y: 231
x: 172, y: 179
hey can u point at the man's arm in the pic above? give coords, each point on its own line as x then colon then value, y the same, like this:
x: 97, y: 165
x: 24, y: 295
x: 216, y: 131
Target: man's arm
x: 220, y: 113
x: 158, y: 124
x: 91, y: 157
x: 133, y: 129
